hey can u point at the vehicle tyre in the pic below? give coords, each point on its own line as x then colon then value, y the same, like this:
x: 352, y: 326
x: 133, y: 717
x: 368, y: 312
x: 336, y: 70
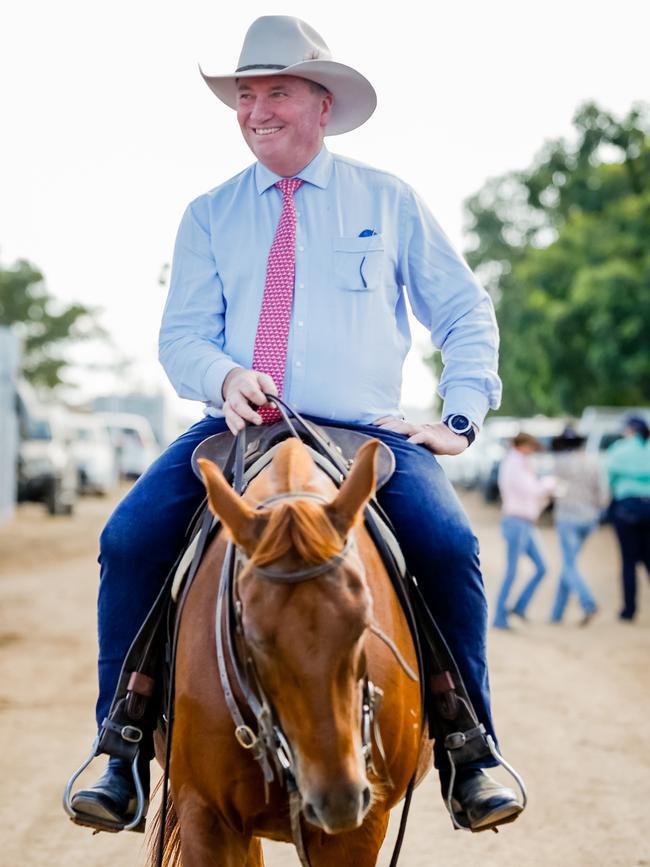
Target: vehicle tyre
x: 54, y: 502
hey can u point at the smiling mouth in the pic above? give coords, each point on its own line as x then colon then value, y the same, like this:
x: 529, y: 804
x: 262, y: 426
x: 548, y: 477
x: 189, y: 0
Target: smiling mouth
x: 266, y: 130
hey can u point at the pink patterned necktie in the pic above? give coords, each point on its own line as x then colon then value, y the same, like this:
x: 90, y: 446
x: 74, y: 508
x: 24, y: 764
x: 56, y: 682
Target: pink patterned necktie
x: 272, y: 338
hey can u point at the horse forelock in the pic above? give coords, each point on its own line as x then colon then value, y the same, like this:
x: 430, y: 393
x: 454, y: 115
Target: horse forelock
x: 301, y: 527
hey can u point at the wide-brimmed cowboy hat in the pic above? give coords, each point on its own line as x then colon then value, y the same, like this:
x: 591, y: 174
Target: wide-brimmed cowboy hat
x: 283, y: 45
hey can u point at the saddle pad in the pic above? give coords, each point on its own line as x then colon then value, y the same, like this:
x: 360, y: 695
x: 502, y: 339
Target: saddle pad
x: 217, y: 448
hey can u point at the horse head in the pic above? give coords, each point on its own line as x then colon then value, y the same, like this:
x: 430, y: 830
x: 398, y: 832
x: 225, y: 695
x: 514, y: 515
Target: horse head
x: 305, y: 612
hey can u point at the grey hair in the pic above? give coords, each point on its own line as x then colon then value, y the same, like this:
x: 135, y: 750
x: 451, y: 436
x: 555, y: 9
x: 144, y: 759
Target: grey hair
x: 318, y: 89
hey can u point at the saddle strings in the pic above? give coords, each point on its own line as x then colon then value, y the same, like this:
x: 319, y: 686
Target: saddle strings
x: 379, y: 632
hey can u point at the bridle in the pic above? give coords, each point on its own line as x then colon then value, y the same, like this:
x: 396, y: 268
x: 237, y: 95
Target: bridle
x: 267, y: 742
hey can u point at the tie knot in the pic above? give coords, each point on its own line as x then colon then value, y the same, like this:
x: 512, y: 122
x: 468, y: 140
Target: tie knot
x: 288, y: 186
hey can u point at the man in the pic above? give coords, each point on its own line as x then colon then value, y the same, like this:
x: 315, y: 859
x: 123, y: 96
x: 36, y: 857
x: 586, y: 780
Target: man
x: 580, y: 497
x: 289, y: 278
x: 628, y: 469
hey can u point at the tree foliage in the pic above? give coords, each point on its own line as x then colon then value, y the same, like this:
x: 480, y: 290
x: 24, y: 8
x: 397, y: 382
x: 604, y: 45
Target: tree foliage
x: 564, y: 249
x: 46, y: 327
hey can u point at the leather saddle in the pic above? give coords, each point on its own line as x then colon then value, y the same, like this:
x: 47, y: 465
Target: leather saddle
x: 262, y: 441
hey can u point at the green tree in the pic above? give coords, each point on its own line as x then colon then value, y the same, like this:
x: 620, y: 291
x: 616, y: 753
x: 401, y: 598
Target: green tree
x: 564, y: 249
x: 46, y: 327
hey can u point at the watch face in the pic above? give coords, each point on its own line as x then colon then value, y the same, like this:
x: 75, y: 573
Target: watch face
x: 459, y: 423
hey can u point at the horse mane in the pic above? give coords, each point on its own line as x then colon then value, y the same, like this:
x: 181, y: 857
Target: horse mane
x: 299, y: 526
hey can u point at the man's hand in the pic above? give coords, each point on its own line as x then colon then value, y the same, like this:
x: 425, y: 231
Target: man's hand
x: 240, y: 389
x: 436, y: 437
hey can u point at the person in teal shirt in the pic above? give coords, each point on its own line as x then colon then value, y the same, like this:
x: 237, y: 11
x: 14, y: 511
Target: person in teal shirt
x: 628, y: 467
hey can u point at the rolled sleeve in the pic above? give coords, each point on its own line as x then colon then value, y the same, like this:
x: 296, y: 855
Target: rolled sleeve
x: 448, y: 300
x: 192, y: 330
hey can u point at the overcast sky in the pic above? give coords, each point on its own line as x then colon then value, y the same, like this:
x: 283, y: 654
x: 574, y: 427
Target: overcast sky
x: 109, y: 130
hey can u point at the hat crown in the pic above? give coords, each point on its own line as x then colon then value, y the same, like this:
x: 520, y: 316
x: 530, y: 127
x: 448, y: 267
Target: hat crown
x: 279, y: 41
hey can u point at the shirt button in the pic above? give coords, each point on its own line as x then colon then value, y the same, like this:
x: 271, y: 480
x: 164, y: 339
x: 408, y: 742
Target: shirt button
x: 301, y: 249
x: 298, y: 363
x: 301, y: 285
x: 297, y: 213
x: 300, y: 323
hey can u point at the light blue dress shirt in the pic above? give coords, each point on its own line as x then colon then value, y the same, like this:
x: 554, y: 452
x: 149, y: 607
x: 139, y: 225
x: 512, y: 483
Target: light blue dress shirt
x: 349, y: 330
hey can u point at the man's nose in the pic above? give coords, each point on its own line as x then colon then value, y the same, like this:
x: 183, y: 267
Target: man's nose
x: 261, y: 110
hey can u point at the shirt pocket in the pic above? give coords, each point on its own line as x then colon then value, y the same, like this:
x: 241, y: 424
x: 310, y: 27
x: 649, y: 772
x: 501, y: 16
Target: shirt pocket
x: 358, y: 263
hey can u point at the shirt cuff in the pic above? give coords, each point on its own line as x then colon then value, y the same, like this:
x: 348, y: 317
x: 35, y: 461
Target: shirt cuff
x: 466, y: 401
x: 213, y: 379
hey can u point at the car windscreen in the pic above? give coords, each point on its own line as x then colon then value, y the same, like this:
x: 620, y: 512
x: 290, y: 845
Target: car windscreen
x: 38, y: 429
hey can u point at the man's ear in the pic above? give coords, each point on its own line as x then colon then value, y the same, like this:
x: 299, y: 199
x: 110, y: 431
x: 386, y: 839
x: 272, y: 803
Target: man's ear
x: 244, y: 524
x: 326, y: 110
x: 346, y: 509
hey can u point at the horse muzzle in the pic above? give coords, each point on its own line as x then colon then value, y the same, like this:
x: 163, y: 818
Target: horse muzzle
x: 338, y: 808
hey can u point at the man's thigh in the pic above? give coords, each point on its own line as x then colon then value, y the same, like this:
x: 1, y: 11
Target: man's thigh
x: 150, y: 522
x: 430, y: 522
x: 433, y: 530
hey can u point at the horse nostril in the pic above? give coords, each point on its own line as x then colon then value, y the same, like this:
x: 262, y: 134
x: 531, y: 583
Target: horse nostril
x: 310, y: 814
x: 365, y: 798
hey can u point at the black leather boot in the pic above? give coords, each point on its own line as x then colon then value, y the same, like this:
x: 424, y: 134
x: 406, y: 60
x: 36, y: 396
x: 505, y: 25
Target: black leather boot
x: 111, y: 801
x: 480, y: 803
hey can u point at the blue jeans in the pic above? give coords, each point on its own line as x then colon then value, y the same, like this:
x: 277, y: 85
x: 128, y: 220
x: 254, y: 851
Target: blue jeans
x: 521, y: 538
x: 572, y: 537
x: 631, y: 518
x: 145, y: 533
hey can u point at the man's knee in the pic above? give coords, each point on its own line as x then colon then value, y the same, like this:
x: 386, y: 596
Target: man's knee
x: 123, y: 536
x: 455, y: 546
x: 447, y: 565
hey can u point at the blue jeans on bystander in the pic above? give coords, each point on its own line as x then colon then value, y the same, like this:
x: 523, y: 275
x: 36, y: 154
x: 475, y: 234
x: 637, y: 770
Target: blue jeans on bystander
x: 521, y: 538
x: 572, y: 537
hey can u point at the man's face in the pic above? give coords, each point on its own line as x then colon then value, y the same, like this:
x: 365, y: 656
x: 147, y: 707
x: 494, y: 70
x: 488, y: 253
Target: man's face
x: 283, y: 120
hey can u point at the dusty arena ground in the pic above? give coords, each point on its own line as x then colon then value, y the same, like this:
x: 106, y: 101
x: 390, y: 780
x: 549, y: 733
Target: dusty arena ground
x: 571, y: 705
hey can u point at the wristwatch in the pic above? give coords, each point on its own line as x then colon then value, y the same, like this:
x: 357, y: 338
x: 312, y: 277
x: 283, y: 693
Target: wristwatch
x: 461, y: 425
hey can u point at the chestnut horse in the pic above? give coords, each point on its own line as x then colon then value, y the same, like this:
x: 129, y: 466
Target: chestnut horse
x: 311, y: 645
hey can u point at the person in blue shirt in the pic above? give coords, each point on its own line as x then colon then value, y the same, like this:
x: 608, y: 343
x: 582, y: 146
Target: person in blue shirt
x: 364, y: 242
x: 628, y: 468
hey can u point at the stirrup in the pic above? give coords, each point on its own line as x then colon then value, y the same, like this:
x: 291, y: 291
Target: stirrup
x: 455, y: 741
x: 137, y: 823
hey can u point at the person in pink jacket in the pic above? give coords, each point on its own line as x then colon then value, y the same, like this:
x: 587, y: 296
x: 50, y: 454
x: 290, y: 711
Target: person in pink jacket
x: 523, y: 496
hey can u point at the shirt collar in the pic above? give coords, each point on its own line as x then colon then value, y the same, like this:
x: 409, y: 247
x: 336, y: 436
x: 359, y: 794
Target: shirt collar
x: 317, y: 172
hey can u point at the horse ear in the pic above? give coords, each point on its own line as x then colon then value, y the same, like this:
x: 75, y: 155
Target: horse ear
x: 356, y: 490
x: 238, y: 516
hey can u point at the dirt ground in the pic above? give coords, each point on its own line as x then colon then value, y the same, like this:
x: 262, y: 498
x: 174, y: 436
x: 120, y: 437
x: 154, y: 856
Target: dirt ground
x: 571, y: 706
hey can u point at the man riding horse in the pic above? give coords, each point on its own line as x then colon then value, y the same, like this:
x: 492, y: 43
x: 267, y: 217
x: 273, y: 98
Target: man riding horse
x: 289, y: 279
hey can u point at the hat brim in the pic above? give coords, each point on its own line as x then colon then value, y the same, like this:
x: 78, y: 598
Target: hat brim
x: 354, y: 97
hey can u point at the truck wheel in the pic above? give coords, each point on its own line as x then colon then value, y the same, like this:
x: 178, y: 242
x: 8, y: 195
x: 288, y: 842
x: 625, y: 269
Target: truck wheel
x: 53, y: 501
